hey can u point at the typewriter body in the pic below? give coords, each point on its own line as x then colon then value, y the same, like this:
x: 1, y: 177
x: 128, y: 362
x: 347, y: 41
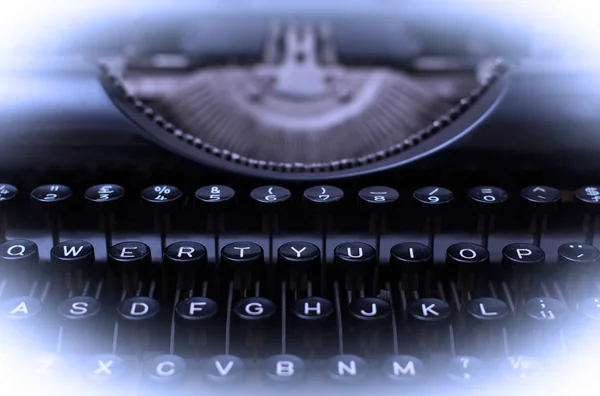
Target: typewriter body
x: 140, y: 256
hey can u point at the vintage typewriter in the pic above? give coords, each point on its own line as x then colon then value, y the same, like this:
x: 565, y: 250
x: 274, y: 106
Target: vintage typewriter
x: 220, y: 198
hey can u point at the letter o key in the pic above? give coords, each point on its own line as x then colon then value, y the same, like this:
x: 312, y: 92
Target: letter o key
x: 467, y: 257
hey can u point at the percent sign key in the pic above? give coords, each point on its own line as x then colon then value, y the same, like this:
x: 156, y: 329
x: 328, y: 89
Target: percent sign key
x: 161, y: 194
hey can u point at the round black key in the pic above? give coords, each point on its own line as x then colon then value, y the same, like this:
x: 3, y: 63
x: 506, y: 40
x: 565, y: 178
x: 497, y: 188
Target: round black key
x: 487, y: 195
x: 105, y: 368
x: 51, y: 193
x: 7, y: 192
x: 22, y: 308
x: 519, y: 367
x: 298, y: 256
x: 254, y: 308
x: 312, y: 308
x: 588, y: 195
x: 355, y: 255
x: 185, y: 254
x: 430, y: 310
x: 465, y: 369
x: 271, y: 194
x: 104, y: 193
x: 188, y: 259
x: 323, y: 195
x: 523, y: 257
x: 246, y: 256
x: 224, y: 369
x: 196, y: 309
x: 541, y: 195
x: 577, y: 255
x: 129, y: 259
x: 369, y: 309
x: 467, y: 257
x: 433, y: 195
x: 215, y: 194
x: 411, y: 257
x: 165, y: 369
x: 590, y: 308
x: 487, y: 309
x: 72, y: 255
x: 346, y: 368
x: 403, y: 369
x: 161, y: 194
x: 285, y: 369
x: 19, y: 253
x: 376, y: 196
x: 138, y: 309
x: 79, y: 308
x: 546, y: 310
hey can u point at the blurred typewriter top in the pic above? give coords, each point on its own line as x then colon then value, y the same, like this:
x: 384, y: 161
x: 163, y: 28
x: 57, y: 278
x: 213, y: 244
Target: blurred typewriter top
x: 301, y: 91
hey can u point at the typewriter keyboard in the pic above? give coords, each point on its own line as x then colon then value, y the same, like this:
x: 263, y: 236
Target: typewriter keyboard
x: 222, y: 290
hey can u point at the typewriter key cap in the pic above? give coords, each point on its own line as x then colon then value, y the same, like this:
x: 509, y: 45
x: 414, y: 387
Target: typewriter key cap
x: 215, y: 195
x: 224, y: 369
x: 254, y: 309
x: 105, y: 368
x: 195, y: 310
x: 52, y: 199
x: 590, y: 308
x: 312, y: 308
x: 270, y: 195
x: 246, y: 254
x: 346, y: 368
x: 7, y: 197
x: 79, y: 309
x: 410, y: 258
x: 103, y: 194
x: 589, y: 196
x: 430, y: 310
x: 187, y: 259
x: 242, y: 260
x: 320, y: 197
x: 433, y: 196
x: 378, y: 197
x: 22, y: 308
x: 296, y: 259
x: 19, y: 253
x: 403, y: 369
x: 72, y: 255
x: 354, y: 263
x: 467, y: 257
x: 369, y: 309
x: 519, y: 367
x: 523, y: 257
x: 165, y: 369
x: 162, y: 194
x: 578, y: 256
x: 7, y: 193
x: 51, y: 194
x: 546, y: 310
x: 541, y: 197
x: 488, y: 310
x: 285, y: 369
x: 487, y: 196
x: 464, y: 369
x: 138, y: 309
x: 129, y: 260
